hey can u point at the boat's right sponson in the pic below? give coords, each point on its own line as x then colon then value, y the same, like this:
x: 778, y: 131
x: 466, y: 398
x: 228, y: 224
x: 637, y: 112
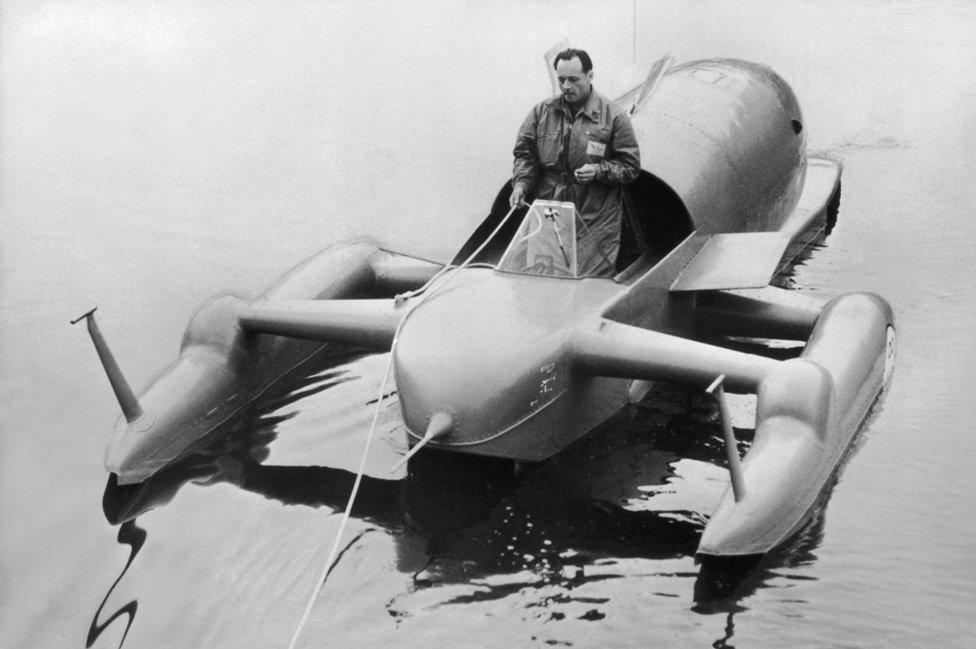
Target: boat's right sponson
x: 808, y: 411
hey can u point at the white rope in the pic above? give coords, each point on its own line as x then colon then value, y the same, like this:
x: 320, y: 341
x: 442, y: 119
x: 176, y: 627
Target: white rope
x: 467, y: 261
x: 352, y: 498
x: 372, y: 429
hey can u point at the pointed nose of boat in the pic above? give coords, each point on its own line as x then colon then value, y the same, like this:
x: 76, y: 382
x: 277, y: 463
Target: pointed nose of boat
x: 180, y: 407
x: 779, y: 480
x: 131, y: 454
x: 189, y: 399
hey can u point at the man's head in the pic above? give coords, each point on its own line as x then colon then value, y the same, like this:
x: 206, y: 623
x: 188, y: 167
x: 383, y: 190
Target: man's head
x: 574, y: 70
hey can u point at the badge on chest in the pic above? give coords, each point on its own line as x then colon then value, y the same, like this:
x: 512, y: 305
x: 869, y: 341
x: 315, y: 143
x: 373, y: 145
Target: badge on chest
x: 596, y: 148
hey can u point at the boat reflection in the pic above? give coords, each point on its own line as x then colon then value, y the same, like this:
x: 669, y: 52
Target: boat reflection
x: 463, y: 517
x: 723, y: 582
x: 134, y: 536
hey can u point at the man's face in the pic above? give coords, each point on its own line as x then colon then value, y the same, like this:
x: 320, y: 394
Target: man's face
x: 573, y: 82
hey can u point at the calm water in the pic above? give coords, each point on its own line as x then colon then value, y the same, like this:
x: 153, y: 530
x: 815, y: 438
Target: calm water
x: 155, y: 156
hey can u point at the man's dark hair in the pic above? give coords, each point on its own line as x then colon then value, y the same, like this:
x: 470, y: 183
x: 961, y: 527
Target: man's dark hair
x: 569, y: 54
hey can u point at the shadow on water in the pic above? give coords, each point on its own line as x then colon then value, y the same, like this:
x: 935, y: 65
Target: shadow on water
x: 134, y: 536
x: 456, y: 518
x: 463, y: 506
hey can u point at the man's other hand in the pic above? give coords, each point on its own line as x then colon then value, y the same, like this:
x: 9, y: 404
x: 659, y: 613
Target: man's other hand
x: 586, y: 173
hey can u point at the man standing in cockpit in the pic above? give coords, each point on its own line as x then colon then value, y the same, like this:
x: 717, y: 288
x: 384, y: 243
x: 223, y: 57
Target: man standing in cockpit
x: 579, y: 147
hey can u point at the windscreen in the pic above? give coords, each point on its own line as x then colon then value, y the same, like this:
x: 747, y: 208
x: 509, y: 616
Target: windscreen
x: 554, y: 242
x: 545, y: 243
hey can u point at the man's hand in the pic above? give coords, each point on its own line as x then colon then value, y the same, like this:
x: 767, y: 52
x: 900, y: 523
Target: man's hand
x: 517, y: 197
x: 586, y: 173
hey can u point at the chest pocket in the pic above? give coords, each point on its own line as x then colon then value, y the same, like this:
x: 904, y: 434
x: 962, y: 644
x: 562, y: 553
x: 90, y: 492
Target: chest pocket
x: 597, y: 143
x: 550, y: 144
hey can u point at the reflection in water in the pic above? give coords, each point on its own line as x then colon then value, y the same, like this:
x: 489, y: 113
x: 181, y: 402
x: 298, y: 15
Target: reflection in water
x: 724, y: 582
x: 723, y: 642
x: 467, y: 516
x: 134, y: 536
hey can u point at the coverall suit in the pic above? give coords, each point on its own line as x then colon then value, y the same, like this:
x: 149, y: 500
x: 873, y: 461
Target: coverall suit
x: 551, y: 144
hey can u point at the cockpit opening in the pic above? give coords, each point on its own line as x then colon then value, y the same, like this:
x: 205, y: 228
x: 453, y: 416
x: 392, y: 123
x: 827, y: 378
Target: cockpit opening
x: 655, y: 222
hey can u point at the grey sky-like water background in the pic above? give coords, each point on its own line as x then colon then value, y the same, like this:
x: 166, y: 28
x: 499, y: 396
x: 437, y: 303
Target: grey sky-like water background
x: 156, y: 154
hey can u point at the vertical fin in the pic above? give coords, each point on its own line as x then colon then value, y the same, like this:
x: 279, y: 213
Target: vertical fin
x: 550, y: 57
x: 126, y: 397
x: 658, y: 70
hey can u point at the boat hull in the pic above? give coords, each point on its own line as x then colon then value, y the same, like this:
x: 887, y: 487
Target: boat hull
x: 808, y: 412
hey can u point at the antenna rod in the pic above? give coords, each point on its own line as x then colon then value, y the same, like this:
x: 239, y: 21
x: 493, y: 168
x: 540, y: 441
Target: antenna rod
x: 126, y: 397
x: 635, y: 32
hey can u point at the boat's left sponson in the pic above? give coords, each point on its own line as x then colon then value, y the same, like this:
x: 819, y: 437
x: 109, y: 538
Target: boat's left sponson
x: 223, y: 367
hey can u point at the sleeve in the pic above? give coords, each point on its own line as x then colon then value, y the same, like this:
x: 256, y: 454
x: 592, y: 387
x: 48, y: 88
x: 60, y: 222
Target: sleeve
x: 526, y: 169
x: 623, y: 164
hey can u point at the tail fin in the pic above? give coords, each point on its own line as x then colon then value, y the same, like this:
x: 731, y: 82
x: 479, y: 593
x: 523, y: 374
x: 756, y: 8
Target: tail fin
x: 550, y: 58
x: 127, y: 398
x: 658, y: 70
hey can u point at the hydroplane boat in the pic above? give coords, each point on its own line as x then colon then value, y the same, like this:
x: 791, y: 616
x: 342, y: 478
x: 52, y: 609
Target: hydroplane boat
x: 509, y: 351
